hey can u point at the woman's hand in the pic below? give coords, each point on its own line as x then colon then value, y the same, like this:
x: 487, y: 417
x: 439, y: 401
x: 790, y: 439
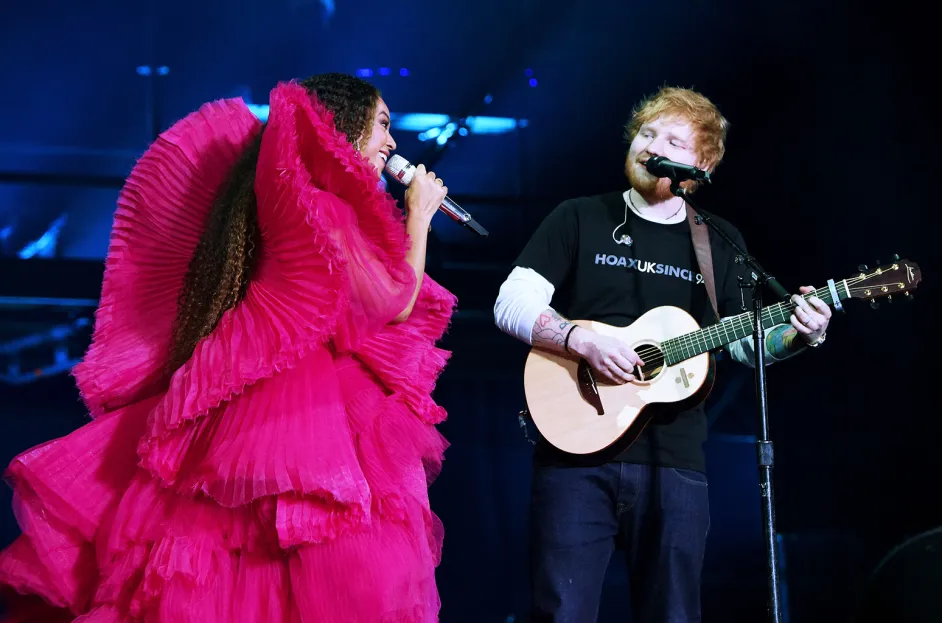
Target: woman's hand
x: 423, y: 198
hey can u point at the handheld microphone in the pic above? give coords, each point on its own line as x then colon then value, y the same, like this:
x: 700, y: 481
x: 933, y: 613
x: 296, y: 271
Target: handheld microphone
x: 403, y: 171
x: 659, y: 166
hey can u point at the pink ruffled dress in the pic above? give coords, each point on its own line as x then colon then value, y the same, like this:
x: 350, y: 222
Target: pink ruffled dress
x: 282, y: 473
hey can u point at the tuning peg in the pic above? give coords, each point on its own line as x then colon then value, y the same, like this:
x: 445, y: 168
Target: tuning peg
x: 889, y: 298
x: 874, y: 304
x: 895, y: 257
x: 862, y: 267
x: 909, y: 297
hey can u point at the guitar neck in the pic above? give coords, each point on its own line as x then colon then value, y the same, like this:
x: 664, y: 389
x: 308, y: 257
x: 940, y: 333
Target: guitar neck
x: 735, y: 328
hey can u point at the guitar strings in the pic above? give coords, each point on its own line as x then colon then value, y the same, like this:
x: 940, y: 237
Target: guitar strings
x: 691, y: 342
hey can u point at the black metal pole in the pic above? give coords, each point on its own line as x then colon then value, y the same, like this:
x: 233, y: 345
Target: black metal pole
x: 766, y: 459
x: 764, y: 449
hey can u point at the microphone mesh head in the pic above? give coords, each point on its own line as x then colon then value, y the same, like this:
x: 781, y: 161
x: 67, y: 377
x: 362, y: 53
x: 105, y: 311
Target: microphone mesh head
x: 400, y: 169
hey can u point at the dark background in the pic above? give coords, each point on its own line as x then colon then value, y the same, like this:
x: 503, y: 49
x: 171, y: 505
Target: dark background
x: 831, y: 163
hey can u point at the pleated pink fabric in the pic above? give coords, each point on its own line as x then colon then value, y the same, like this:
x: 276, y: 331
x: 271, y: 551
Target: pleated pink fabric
x: 281, y: 474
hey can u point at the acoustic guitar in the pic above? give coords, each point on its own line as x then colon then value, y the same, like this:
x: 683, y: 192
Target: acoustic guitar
x: 579, y: 411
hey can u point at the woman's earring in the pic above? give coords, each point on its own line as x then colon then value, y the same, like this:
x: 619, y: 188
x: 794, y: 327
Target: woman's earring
x: 358, y: 145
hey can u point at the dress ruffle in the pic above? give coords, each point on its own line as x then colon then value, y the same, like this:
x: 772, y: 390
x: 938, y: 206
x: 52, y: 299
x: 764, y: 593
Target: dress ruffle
x: 161, y: 213
x: 281, y: 473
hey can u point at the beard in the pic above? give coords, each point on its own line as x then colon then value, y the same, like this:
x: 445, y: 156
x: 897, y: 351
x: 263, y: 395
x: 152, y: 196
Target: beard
x: 653, y: 189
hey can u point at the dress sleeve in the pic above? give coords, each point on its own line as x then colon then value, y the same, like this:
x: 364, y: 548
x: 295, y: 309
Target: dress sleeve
x: 160, y: 215
x: 332, y: 241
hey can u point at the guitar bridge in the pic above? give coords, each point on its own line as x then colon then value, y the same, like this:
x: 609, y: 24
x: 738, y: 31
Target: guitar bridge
x: 588, y: 387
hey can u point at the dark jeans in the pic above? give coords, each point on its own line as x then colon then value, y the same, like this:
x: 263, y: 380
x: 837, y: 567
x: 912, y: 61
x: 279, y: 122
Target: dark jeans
x: 659, y: 516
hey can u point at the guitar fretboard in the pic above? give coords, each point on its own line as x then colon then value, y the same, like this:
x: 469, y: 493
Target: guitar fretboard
x: 737, y: 327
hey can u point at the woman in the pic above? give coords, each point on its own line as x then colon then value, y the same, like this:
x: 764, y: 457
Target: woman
x: 260, y: 379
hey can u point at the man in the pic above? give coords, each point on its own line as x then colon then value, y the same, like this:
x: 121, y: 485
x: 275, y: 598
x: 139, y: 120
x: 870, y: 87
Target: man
x: 611, y: 258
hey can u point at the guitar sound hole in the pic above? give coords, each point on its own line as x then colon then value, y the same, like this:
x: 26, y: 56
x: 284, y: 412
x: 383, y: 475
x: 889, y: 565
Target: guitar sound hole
x: 653, y: 358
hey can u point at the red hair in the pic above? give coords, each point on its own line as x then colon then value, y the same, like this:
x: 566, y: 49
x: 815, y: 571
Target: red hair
x: 710, y: 127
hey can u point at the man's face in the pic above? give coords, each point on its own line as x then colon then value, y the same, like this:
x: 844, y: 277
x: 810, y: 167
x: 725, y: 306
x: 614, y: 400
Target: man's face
x: 673, y: 139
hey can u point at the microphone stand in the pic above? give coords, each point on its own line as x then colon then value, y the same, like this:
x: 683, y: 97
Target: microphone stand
x: 764, y: 450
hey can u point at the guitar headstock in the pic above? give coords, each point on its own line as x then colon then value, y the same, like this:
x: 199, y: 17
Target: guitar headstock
x: 898, y: 277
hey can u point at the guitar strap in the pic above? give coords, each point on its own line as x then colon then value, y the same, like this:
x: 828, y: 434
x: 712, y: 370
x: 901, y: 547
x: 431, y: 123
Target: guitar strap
x: 701, y: 245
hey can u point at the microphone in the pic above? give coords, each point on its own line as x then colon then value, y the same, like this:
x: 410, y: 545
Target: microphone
x: 659, y: 166
x: 403, y: 171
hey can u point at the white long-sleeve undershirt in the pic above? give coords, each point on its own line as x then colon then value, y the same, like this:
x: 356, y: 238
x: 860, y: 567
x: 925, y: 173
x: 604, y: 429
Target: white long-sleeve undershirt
x: 522, y: 298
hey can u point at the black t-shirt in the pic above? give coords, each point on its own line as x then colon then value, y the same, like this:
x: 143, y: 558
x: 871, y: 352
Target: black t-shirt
x: 597, y: 279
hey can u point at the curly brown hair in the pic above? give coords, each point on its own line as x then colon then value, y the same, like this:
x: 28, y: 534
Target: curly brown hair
x: 218, y: 274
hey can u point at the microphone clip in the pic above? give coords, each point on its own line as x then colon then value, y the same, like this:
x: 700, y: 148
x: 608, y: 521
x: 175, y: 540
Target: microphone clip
x: 676, y: 172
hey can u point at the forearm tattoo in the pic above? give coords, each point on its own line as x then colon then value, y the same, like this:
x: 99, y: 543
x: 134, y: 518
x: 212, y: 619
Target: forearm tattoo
x: 550, y: 331
x: 782, y: 342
